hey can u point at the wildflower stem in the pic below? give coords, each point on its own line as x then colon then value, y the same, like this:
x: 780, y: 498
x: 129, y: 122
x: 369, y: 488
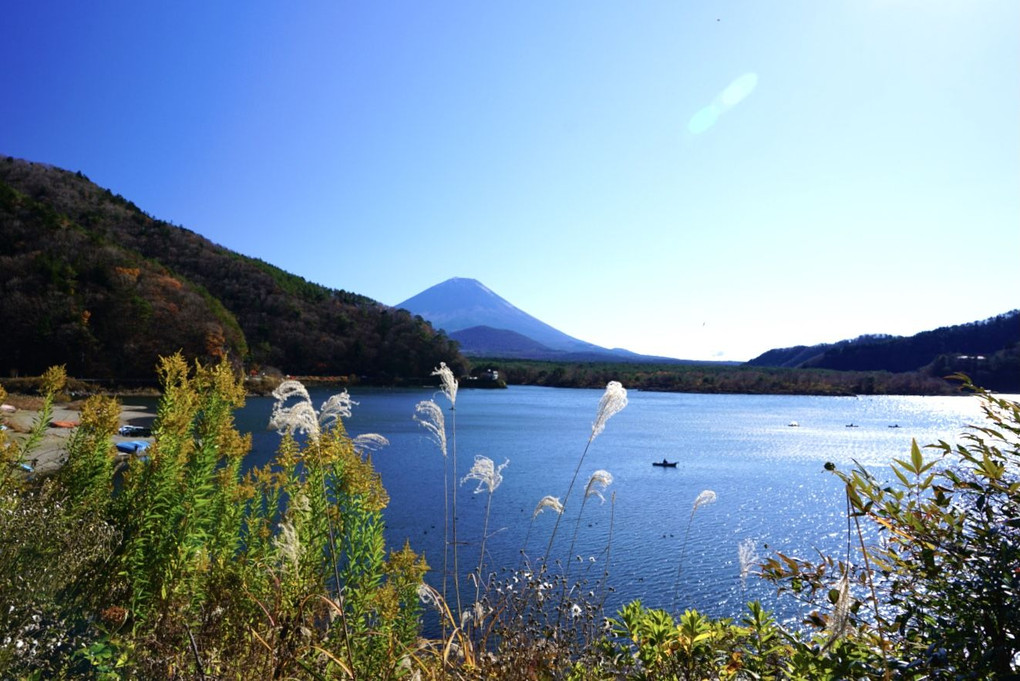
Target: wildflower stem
x: 481, y: 551
x: 335, y: 559
x: 548, y: 549
x: 609, y: 546
x: 456, y: 565
x: 573, y: 540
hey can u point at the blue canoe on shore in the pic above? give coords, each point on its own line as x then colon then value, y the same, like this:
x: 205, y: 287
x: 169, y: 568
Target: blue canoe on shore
x: 132, y: 446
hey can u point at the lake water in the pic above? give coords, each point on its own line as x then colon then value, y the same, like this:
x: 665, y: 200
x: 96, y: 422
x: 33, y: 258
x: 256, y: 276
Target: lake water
x: 768, y: 477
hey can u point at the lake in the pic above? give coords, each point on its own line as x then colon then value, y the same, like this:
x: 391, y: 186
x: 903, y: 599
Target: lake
x: 768, y: 476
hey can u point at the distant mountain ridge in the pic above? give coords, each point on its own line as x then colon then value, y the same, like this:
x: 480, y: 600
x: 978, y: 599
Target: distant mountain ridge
x: 987, y: 350
x: 487, y: 325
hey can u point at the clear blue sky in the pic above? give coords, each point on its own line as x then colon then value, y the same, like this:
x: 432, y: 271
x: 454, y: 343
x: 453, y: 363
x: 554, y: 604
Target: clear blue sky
x: 691, y: 179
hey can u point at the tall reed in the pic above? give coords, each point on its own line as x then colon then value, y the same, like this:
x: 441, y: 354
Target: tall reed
x: 429, y: 415
x: 747, y: 557
x: 706, y: 497
x: 448, y: 385
x: 545, y: 502
x: 489, y: 477
x: 597, y: 484
x: 613, y: 400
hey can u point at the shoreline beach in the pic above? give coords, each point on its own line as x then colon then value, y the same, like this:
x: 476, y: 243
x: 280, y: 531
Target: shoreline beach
x: 50, y: 454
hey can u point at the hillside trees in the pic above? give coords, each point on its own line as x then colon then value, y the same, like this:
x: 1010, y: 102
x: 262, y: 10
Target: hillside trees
x: 246, y: 308
x: 70, y: 295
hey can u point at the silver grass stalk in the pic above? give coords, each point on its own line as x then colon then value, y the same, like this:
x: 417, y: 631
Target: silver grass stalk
x: 430, y: 416
x: 597, y: 484
x: 747, y: 557
x: 449, y: 386
x: 336, y: 407
x: 548, y: 502
x: 614, y: 399
x: 288, y: 547
x: 429, y: 596
x: 369, y: 442
x: 706, y: 497
x: 447, y: 382
x: 297, y: 418
x: 840, y: 619
x: 289, y: 389
x: 488, y: 475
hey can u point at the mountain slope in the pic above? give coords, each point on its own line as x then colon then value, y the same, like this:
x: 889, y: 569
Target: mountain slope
x: 987, y: 350
x: 68, y: 296
x: 485, y: 341
x: 276, y: 318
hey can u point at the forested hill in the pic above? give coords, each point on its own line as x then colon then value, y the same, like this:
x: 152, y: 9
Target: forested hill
x: 987, y: 350
x: 88, y: 279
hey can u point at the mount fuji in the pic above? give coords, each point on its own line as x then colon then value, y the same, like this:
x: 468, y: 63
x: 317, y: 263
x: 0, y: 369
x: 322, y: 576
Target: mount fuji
x: 487, y: 325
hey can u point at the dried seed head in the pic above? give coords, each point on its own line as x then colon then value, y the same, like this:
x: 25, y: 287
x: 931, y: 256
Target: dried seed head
x: 369, y: 442
x: 336, y: 407
x: 430, y: 416
x: 447, y: 382
x: 614, y: 399
x: 548, y: 502
x: 429, y: 596
x: 597, y: 484
x: 706, y: 497
x: 747, y: 557
x: 488, y: 475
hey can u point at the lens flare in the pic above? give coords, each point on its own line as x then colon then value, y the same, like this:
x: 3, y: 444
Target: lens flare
x: 733, y: 94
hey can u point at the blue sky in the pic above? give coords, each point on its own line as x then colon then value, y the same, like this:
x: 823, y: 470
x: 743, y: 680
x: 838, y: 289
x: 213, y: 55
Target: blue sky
x: 696, y: 180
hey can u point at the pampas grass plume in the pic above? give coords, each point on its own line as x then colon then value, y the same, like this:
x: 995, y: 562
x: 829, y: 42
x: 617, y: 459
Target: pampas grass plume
x: 430, y: 416
x: 705, y: 498
x: 336, y: 407
x: 298, y: 418
x: 614, y: 399
x: 597, y: 484
x: 548, y: 502
x: 448, y: 383
x: 488, y: 475
x: 747, y: 557
x: 369, y: 442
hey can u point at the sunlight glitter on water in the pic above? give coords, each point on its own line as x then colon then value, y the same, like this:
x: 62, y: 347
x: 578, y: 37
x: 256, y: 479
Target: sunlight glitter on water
x: 769, y: 478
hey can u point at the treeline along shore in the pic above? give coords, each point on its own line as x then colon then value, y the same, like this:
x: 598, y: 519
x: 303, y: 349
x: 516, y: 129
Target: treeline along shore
x: 702, y: 378
x: 725, y: 379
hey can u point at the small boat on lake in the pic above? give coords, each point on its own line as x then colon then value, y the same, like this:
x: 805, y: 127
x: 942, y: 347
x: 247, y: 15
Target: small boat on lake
x: 665, y: 464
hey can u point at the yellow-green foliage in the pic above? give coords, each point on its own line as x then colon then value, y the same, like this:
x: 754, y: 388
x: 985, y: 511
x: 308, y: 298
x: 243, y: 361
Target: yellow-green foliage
x: 88, y: 473
x: 192, y: 569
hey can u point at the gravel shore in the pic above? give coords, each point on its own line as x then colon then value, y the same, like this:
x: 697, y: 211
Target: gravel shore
x: 50, y: 454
